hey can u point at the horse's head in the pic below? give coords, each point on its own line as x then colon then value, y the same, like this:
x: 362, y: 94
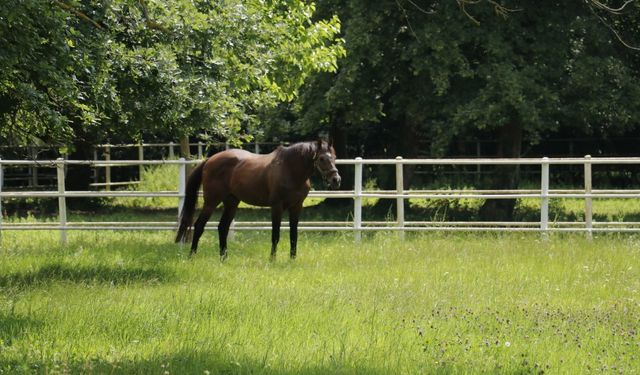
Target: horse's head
x: 325, y: 162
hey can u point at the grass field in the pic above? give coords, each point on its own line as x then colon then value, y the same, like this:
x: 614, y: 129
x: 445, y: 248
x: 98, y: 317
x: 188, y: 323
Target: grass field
x: 133, y: 302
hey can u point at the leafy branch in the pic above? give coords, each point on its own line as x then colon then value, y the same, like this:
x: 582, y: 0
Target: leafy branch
x: 79, y: 14
x: 148, y: 21
x: 152, y: 24
x: 609, y: 9
x: 595, y: 5
x: 498, y: 8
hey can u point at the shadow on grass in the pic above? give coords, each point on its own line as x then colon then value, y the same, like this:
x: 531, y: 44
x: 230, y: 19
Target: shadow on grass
x: 211, y: 362
x: 92, y: 274
x: 202, y: 362
x: 13, y: 326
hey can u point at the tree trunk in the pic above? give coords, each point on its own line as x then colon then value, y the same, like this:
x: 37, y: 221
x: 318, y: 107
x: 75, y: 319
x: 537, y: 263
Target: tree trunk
x: 406, y: 146
x: 78, y: 177
x: 506, y: 176
x: 185, y: 152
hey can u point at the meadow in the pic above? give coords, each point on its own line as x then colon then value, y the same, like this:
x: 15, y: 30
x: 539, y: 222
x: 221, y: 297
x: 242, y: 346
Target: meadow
x: 134, y: 302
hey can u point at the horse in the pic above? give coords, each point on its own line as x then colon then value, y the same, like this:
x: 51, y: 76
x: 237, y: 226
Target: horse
x: 279, y: 180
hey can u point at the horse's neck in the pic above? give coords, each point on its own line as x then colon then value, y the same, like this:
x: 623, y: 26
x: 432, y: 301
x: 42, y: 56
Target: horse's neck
x: 300, y: 158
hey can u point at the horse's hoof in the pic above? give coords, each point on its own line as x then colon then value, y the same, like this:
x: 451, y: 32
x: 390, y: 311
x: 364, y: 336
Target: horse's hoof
x: 292, y: 257
x: 272, y: 258
x: 223, y: 257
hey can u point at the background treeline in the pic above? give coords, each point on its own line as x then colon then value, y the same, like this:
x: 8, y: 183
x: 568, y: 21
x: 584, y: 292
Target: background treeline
x: 422, y: 78
x: 431, y: 78
x: 382, y: 78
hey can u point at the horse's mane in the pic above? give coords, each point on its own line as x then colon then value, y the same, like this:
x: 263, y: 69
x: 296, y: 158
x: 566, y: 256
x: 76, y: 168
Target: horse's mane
x: 301, y: 149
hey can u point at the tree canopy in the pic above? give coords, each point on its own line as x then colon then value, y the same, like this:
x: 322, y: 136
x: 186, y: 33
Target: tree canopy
x: 412, y: 77
x: 448, y: 70
x: 92, y: 69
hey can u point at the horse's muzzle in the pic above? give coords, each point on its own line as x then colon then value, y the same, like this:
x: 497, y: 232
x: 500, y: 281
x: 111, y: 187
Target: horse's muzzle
x: 334, y: 181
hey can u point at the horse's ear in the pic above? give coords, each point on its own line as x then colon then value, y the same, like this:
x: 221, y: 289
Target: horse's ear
x: 319, y: 143
x: 330, y: 142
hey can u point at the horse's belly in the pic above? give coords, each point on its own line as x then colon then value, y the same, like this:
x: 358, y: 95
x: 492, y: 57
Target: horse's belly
x: 255, y: 193
x: 254, y: 199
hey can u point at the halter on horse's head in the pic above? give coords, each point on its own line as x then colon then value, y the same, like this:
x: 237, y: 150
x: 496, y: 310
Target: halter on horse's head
x: 324, y: 160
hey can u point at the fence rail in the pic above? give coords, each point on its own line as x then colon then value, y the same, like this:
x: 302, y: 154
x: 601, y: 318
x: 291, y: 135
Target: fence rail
x: 357, y: 224
x: 33, y: 178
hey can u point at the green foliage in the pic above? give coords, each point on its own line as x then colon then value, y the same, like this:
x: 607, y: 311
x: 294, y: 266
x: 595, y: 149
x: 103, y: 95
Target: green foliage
x: 417, y: 78
x: 120, y: 69
x: 135, y: 303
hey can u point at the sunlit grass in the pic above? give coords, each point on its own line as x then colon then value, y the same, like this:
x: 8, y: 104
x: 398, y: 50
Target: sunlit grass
x: 573, y: 209
x: 133, y: 302
x: 153, y: 178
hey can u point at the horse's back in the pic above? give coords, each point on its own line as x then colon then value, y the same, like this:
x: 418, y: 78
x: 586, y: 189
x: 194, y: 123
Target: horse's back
x: 240, y: 173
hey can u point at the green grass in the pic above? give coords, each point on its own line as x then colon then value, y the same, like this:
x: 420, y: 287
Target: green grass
x: 133, y: 302
x: 153, y: 178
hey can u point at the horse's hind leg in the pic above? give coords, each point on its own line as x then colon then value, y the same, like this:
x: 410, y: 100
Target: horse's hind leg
x: 199, y: 225
x: 230, y: 208
x: 276, y: 219
x: 294, y: 217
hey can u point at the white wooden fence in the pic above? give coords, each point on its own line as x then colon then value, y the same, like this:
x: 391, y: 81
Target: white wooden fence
x: 33, y: 178
x: 357, y: 224
x: 170, y: 146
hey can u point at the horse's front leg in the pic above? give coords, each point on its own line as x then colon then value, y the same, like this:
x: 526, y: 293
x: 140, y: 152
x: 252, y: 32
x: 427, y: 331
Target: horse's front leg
x: 230, y: 207
x: 276, y: 220
x: 199, y: 225
x: 294, y: 217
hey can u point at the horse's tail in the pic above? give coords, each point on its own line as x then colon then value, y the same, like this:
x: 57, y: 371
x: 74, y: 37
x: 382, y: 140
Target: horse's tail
x: 189, y: 205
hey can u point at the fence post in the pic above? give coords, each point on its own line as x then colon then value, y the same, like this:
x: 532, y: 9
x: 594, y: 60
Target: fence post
x: 141, y: 158
x: 199, y: 150
x: 544, y: 196
x: 62, y: 203
x: 107, y: 170
x: 357, y: 201
x: 182, y: 176
x: 171, y: 154
x: 400, y: 200
x: 257, y: 149
x: 588, y: 208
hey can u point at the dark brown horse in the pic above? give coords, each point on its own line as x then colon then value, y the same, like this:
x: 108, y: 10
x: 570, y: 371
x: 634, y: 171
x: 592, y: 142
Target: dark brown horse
x: 279, y: 180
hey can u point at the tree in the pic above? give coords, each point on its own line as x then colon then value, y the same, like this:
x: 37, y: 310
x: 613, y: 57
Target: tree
x: 97, y: 70
x: 419, y: 77
x: 81, y: 72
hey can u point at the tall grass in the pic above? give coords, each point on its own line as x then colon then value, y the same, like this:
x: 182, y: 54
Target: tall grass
x: 437, y: 303
x: 154, y: 178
